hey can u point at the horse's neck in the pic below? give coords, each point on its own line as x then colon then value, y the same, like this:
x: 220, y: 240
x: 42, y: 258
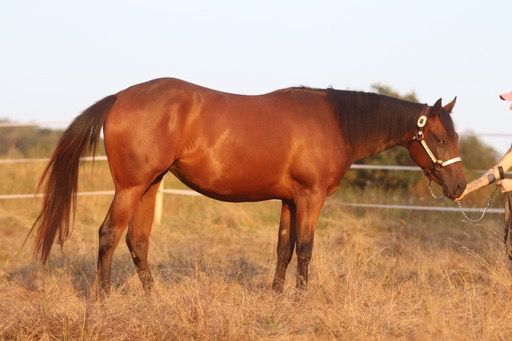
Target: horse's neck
x: 385, y: 137
x: 372, y: 123
x: 373, y: 146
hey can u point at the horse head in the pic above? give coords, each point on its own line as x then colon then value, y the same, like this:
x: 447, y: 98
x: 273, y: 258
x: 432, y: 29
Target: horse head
x: 434, y: 148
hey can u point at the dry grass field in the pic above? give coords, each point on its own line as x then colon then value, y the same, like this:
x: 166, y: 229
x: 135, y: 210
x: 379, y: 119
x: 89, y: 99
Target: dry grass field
x: 375, y: 274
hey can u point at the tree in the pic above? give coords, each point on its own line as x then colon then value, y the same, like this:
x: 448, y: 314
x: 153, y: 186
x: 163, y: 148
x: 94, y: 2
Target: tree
x: 476, y: 154
x: 389, y: 91
x: 19, y: 142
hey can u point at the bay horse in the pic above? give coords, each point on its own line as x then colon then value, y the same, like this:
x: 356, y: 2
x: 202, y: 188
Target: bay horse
x: 292, y: 144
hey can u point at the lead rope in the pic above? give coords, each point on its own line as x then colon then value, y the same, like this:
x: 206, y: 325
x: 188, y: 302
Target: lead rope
x: 464, y: 214
x: 479, y: 219
x: 437, y: 197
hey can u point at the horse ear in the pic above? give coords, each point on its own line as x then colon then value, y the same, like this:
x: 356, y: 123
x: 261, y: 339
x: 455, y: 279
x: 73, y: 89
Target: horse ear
x: 436, y: 108
x: 449, y: 107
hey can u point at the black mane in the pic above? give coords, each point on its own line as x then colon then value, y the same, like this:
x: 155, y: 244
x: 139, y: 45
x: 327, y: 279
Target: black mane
x: 368, y: 117
x: 364, y: 116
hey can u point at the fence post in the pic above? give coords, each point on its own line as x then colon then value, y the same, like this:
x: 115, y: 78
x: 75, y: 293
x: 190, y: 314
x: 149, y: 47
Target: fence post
x: 157, y: 217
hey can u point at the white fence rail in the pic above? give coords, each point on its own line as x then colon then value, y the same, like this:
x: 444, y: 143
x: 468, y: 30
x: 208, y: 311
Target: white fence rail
x: 187, y: 192
x: 162, y: 190
x: 38, y: 160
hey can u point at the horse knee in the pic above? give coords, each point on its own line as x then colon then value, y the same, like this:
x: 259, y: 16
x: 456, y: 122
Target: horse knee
x: 284, y: 254
x: 304, y: 252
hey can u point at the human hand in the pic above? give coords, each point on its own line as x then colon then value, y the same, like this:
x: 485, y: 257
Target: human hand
x: 466, y: 192
x: 505, y: 185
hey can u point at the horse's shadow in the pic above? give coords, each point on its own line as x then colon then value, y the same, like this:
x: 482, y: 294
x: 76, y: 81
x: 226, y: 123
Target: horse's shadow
x: 80, y: 271
x: 239, y: 270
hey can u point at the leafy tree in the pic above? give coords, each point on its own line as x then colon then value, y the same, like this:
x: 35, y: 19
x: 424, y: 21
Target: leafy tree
x: 19, y: 142
x: 389, y: 91
x: 476, y: 154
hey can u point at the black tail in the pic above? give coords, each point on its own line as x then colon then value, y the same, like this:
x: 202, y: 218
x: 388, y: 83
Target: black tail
x: 61, y: 176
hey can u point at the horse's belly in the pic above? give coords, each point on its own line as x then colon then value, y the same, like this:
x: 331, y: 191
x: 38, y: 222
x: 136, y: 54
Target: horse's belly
x: 244, y: 180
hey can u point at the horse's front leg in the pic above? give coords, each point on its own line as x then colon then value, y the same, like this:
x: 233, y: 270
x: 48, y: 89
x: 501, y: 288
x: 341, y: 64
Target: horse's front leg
x: 308, y: 203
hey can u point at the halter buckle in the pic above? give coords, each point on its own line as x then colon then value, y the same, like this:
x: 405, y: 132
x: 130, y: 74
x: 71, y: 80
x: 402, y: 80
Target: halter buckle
x: 438, y: 165
x: 422, y: 120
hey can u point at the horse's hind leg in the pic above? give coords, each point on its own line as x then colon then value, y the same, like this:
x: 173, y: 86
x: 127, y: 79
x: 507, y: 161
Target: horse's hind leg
x: 116, y: 221
x: 285, y: 244
x: 139, y: 230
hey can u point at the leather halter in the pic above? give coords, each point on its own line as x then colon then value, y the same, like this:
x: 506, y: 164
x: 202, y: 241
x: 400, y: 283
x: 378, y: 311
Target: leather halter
x: 420, y: 137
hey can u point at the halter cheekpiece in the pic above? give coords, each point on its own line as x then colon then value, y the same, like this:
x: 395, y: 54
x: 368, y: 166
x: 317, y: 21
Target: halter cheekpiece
x: 420, y: 137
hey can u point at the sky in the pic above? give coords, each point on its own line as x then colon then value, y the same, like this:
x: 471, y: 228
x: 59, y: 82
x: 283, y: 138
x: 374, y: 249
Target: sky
x: 58, y: 57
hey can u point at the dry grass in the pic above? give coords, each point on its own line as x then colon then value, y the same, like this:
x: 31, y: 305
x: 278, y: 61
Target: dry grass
x: 378, y: 275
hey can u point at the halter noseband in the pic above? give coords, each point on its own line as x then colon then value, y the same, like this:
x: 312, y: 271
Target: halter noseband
x: 438, y: 164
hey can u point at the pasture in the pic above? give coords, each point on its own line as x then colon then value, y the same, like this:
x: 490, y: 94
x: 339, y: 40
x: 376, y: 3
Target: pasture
x: 375, y: 273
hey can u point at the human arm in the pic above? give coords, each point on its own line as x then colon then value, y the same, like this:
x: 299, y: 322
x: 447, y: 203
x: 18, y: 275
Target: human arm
x: 490, y: 176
